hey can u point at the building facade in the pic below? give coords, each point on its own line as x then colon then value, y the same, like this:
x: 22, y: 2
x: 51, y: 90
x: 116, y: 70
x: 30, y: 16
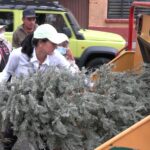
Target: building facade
x: 100, y: 20
x: 103, y: 15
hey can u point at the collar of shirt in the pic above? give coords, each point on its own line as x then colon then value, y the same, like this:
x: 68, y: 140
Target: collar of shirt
x: 35, y: 61
x: 21, y: 27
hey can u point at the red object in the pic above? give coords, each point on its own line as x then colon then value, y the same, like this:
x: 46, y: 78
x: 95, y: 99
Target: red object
x: 131, y: 20
x: 130, y: 34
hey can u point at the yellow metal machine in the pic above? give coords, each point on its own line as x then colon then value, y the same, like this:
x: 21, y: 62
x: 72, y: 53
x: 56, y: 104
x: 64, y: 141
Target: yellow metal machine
x: 131, y: 59
x: 136, y: 137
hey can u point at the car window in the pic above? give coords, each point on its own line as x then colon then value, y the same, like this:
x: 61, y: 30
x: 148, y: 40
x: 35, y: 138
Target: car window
x: 55, y: 20
x: 7, y: 19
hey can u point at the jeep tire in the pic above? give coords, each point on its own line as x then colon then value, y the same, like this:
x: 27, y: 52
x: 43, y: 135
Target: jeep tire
x: 97, y: 62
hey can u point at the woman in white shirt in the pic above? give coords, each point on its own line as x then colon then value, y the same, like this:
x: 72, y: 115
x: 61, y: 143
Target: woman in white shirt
x: 36, y: 53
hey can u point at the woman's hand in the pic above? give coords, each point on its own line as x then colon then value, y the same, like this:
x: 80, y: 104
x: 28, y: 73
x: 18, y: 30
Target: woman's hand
x: 69, y: 54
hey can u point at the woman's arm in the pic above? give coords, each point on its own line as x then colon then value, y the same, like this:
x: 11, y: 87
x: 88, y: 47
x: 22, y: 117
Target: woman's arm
x: 64, y: 63
x: 69, y: 54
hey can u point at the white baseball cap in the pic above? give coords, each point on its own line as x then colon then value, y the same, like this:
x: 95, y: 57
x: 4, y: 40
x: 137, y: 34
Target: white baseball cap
x: 63, y: 37
x: 47, y: 31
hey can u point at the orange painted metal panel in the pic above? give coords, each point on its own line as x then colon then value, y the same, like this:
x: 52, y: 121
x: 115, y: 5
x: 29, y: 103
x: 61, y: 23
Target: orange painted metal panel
x: 136, y: 137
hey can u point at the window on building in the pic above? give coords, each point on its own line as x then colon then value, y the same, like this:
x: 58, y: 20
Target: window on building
x: 119, y: 9
x: 7, y: 19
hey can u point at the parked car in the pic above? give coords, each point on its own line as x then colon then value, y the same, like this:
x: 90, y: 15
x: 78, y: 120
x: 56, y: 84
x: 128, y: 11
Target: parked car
x: 90, y: 48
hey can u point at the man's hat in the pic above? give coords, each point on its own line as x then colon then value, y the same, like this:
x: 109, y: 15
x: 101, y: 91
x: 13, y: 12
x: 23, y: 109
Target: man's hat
x: 29, y: 12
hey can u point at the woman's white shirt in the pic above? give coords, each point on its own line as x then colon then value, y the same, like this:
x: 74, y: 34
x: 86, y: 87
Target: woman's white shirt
x: 19, y: 64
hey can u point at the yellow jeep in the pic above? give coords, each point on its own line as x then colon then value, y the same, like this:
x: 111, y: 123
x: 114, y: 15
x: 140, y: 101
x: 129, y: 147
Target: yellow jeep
x: 90, y: 48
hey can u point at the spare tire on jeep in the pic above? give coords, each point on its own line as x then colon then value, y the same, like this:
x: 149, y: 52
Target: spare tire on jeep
x: 97, y: 62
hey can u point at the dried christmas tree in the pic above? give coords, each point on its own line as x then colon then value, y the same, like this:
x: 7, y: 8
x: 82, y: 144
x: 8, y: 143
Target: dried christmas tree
x: 58, y: 111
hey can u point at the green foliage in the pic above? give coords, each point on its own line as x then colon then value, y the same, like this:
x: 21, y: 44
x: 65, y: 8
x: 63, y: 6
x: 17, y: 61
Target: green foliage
x: 56, y: 110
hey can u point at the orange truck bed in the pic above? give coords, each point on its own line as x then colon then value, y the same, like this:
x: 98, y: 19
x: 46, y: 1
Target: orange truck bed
x: 136, y: 137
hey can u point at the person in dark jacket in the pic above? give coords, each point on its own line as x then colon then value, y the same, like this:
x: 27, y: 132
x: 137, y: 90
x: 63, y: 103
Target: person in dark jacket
x: 29, y: 25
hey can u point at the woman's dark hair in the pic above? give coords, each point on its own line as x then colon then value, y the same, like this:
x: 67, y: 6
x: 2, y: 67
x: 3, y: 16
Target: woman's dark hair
x: 36, y: 41
x: 27, y: 46
x: 29, y: 43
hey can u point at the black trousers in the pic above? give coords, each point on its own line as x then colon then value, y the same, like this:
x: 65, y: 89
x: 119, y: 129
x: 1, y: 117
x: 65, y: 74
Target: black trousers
x: 10, y: 137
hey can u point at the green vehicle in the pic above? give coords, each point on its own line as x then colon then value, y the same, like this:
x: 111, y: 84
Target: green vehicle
x: 90, y: 48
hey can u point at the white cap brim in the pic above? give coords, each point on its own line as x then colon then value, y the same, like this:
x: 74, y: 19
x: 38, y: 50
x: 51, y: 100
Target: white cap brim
x: 47, y: 31
x: 55, y: 39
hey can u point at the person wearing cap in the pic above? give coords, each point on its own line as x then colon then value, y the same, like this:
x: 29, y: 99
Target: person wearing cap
x: 29, y: 25
x: 64, y: 49
x: 5, y: 48
x: 36, y: 54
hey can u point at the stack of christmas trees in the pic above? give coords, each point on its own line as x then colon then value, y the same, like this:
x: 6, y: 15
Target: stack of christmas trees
x: 58, y: 111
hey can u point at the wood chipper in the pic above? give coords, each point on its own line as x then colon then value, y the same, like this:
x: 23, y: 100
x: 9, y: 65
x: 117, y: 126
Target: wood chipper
x: 130, y: 59
x: 136, y: 137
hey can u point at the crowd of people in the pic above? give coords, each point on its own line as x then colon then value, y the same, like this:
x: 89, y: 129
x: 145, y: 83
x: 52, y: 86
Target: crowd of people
x: 34, y: 48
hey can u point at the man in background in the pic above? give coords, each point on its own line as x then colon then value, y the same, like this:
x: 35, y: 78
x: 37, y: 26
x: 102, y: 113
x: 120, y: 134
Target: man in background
x: 28, y: 26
